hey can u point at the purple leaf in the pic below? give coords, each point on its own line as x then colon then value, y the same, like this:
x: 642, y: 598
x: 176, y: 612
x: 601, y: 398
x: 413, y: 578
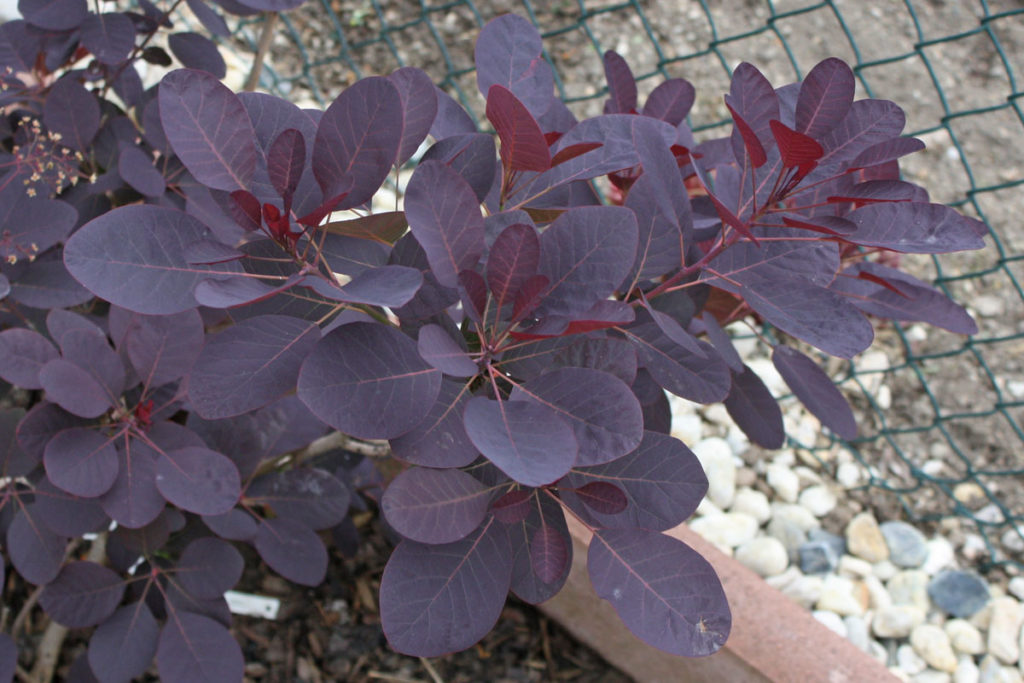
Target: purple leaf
x: 586, y: 253
x: 54, y: 15
x: 136, y: 168
x: 435, y: 506
x: 614, y: 356
x: 829, y: 225
x: 249, y: 365
x: 83, y: 594
x: 82, y: 462
x: 196, y: 51
x: 245, y: 209
x: 877, y: 191
x: 704, y: 379
x: 523, y: 147
x: 659, y: 200
x: 134, y: 500
x: 444, y: 216
x: 14, y: 461
x: 392, y: 286
x: 66, y: 514
x: 438, y: 348
x: 549, y: 554
x: 31, y: 225
x: 161, y: 348
x: 110, y: 36
x: 440, y: 440
x: 513, y: 507
x: 46, y: 283
x: 233, y: 292
x: 8, y: 652
x: 451, y: 118
x: 621, y: 85
x: 197, y: 649
x: 310, y: 496
x: 512, y: 260
x: 368, y: 380
x: 886, y: 151
x: 812, y: 314
x: 74, y: 389
x: 473, y: 293
x: 357, y: 140
x: 210, y: 20
x: 208, y: 128
x: 35, y: 551
x: 603, y: 412
x: 751, y: 143
x: 600, y: 496
x: 825, y: 97
x: 286, y: 159
x: 92, y: 353
x: 471, y: 155
x: 797, y: 150
x: 73, y: 112
x: 41, y: 424
x: 526, y: 440
x: 384, y: 227
x: 670, y: 101
x: 754, y: 99
x: 436, y: 599
x: 916, y: 227
x: 545, y: 517
x: 23, y: 353
x: 868, y: 123
x: 664, y: 592
x: 748, y: 264
x: 134, y: 257
x: 724, y: 212
x: 419, y: 109
x: 722, y: 342
x: 209, y: 567
x: 122, y: 647
x: 889, y: 293
x: 293, y: 550
x: 509, y: 53
x: 754, y: 409
x: 234, y: 525
x: 815, y: 390
x: 265, y: 5
x: 662, y: 480
x: 198, y: 480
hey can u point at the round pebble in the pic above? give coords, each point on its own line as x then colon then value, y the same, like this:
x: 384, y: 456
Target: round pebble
x: 965, y: 638
x: 932, y: 643
x: 716, y: 458
x: 764, y: 555
x: 864, y: 538
x: 896, y: 621
x: 1004, y: 630
x: 909, y: 661
x: 818, y: 499
x: 728, y: 529
x: 839, y: 595
x: 940, y: 556
x: 907, y: 546
x: 784, y: 482
x: 831, y: 621
x: 753, y: 503
x: 958, y: 593
x: 909, y: 587
x: 966, y: 671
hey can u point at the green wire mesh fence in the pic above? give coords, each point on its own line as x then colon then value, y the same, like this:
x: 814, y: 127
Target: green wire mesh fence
x: 941, y: 415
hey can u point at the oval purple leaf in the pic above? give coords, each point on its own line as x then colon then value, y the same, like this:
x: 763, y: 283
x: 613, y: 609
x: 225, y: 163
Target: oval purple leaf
x: 440, y: 439
x: 603, y: 497
x: 419, y: 109
x: 35, y: 551
x: 23, y: 353
x: 122, y: 647
x: 137, y: 169
x: 307, y: 495
x: 544, y: 513
x: 83, y: 594
x: 234, y: 525
x: 754, y: 410
x: 549, y: 554
x: 816, y: 390
x: 134, y: 500
x: 509, y: 53
x: 196, y: 649
x: 196, y: 51
x: 162, y: 348
x: 435, y: 506
x: 209, y: 567
x: 826, y: 95
x: 198, y: 480
x: 81, y: 461
x: 512, y: 507
x: 54, y: 15
x: 438, y: 348
x: 293, y: 550
x: 74, y: 389
x: 110, y: 36
x: 368, y: 380
x: 72, y: 112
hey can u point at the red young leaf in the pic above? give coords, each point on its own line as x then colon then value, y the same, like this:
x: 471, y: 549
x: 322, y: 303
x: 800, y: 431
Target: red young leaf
x: 572, y: 151
x: 512, y: 507
x: 285, y: 161
x: 754, y: 147
x: 549, y: 554
x: 797, y: 149
x: 608, y: 499
x: 523, y: 147
x: 245, y: 209
x: 829, y: 225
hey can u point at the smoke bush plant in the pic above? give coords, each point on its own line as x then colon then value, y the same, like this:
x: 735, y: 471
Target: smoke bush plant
x: 198, y: 314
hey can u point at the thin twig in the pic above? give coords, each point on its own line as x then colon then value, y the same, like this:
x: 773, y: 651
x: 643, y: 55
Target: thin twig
x: 266, y: 37
x: 436, y: 677
x: 334, y: 440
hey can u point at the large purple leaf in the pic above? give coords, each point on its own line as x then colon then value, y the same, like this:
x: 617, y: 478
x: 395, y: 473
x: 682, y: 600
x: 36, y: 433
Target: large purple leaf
x: 419, y: 108
x: 293, y: 550
x: 35, y: 551
x: 586, y: 253
x: 754, y: 99
x: 249, y: 365
x: 701, y: 378
x: 161, y: 348
x: 207, y: 127
x: 512, y: 260
x: 46, y: 283
x: 435, y: 506
x: 440, y: 440
x: 368, y: 380
x: 549, y: 554
x: 614, y: 356
x: 754, y: 409
x: 196, y: 649
x: 209, y: 567
x: 198, y: 480
x: 196, y: 51
x: 746, y: 263
x: 526, y: 440
x: 621, y: 85
x: 825, y: 97
x: 472, y: 156
x: 134, y: 500
x: 31, y: 225
x: 816, y: 390
x: 134, y: 257
x: 40, y: 424
x: 392, y: 286
x: 886, y: 151
x: 65, y: 514
x: 444, y: 216
x: 92, y: 353
x: 662, y: 480
x: 310, y: 496
x: 81, y: 461
x: 603, y: 412
x: 23, y: 353
x: 110, y: 36
x: 916, y: 227
x: 663, y: 590
x: 14, y: 461
x: 234, y: 525
x: 209, y: 18
x: 122, y: 647
x: 670, y: 101
x: 136, y: 168
x: 54, y: 15
x: 357, y: 140
x: 812, y: 314
x: 436, y: 599
x: 72, y: 112
x: 451, y: 118
x: 868, y: 123
x: 509, y: 53
x: 889, y: 293
x: 545, y: 517
x: 83, y: 594
x: 438, y: 348
x: 75, y: 389
x: 523, y: 146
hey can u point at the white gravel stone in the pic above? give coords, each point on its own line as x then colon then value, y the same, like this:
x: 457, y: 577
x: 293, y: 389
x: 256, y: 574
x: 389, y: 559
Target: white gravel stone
x: 805, y: 591
x: 864, y: 539
x: 1004, y: 630
x: 798, y: 516
x: 857, y: 632
x: 879, y: 596
x: 728, y: 529
x: 818, y: 499
x: 909, y: 661
x: 965, y: 638
x: 910, y: 587
x: 854, y: 566
x: 784, y: 482
x: 932, y: 676
x: 838, y: 594
x: 966, y: 671
x: 831, y: 621
x: 753, y: 503
x: 764, y: 555
x: 884, y: 570
x: 896, y: 621
x: 707, y: 507
x: 687, y: 427
x: 716, y: 458
x: 878, y: 651
x: 993, y: 672
x: 932, y: 643
x: 850, y: 475
x: 940, y: 556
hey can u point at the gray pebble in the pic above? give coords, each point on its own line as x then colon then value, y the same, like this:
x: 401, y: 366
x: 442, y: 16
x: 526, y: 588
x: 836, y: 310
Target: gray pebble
x: 817, y: 557
x: 907, y: 546
x: 959, y: 593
